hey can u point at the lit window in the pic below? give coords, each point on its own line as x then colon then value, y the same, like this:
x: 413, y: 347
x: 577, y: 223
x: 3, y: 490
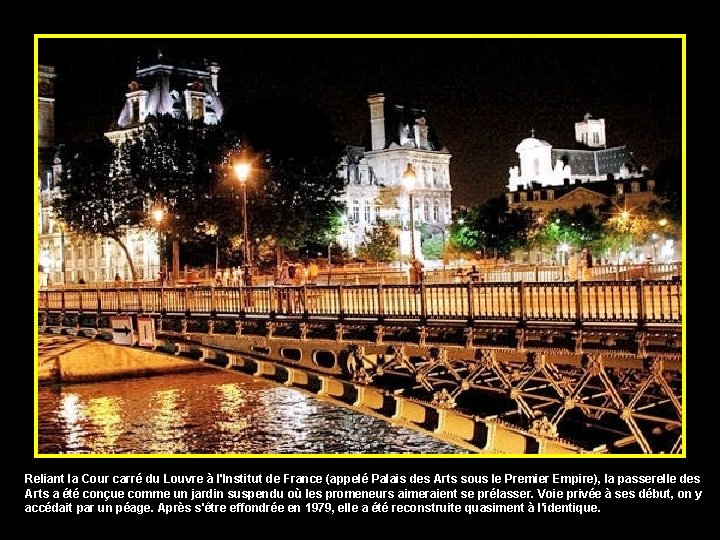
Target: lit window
x: 619, y: 188
x: 198, y: 108
x: 635, y: 187
x: 536, y: 195
x: 135, y: 110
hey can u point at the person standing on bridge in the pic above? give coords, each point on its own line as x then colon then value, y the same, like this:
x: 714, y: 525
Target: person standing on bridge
x: 283, y: 281
x: 416, y: 272
x: 313, y: 272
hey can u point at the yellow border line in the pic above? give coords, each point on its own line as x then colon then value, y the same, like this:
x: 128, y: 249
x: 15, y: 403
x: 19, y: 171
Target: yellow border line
x: 682, y: 37
x: 369, y: 36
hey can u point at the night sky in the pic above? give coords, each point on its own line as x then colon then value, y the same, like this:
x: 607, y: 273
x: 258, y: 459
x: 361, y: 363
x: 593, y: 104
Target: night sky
x: 482, y: 95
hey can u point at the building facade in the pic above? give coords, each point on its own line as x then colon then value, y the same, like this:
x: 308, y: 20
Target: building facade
x: 632, y: 193
x: 591, y: 161
x: 66, y: 258
x: 550, y: 179
x: 164, y: 88
x: 400, y: 140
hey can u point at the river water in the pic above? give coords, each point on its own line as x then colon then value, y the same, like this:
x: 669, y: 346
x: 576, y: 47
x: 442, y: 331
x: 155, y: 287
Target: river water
x: 211, y: 412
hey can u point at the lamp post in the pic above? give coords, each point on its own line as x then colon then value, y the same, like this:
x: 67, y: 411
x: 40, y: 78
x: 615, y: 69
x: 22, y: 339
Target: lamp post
x: 158, y: 216
x: 62, y: 251
x: 242, y: 171
x: 329, y: 272
x: 408, y: 178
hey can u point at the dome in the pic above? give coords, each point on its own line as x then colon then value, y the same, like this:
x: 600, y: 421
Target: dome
x: 530, y: 143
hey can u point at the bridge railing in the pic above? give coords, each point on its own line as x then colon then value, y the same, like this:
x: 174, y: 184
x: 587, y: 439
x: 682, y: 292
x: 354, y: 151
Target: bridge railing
x: 636, y: 301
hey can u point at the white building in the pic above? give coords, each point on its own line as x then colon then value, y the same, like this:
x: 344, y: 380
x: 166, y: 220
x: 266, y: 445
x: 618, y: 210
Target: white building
x: 592, y: 161
x: 399, y: 137
x: 161, y: 88
x: 65, y: 258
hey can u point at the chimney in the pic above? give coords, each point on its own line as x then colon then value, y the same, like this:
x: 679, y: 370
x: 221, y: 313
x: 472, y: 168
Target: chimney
x: 377, y: 120
x: 214, y: 69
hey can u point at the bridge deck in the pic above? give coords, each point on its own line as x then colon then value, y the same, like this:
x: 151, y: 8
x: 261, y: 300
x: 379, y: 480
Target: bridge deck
x: 635, y: 303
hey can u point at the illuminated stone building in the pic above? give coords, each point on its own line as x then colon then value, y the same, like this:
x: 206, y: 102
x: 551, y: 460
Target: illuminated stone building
x: 399, y: 136
x: 161, y: 88
x: 164, y: 88
x: 590, y: 174
x: 591, y: 161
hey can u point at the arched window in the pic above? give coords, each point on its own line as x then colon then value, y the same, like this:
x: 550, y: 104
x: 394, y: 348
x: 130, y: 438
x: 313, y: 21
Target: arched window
x: 135, y: 111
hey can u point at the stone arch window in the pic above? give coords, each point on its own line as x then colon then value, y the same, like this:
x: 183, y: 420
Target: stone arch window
x: 135, y: 111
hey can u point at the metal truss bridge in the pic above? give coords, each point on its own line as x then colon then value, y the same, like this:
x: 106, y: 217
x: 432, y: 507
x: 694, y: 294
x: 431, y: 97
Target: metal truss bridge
x: 505, y: 367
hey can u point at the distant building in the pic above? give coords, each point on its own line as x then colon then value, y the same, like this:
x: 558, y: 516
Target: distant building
x: 400, y: 139
x: 592, y: 161
x: 636, y: 192
x: 565, y: 179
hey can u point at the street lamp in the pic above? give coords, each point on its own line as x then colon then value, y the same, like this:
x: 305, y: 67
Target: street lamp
x: 408, y: 179
x: 242, y: 171
x: 158, y: 215
x: 655, y: 237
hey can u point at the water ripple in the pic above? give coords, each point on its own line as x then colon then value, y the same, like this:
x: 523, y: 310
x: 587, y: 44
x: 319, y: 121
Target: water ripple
x: 211, y: 412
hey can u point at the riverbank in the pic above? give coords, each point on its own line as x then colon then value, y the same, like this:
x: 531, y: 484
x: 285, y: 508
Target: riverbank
x: 69, y: 359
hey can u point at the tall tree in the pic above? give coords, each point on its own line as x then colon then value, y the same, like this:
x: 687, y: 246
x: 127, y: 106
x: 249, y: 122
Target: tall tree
x: 381, y: 244
x: 96, y: 197
x: 294, y: 196
x: 169, y: 163
x: 179, y: 165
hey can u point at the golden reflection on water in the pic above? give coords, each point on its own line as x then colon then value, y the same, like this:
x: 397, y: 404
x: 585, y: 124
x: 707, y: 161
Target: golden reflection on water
x: 218, y: 412
x: 106, y: 415
x: 232, y: 406
x: 168, y: 423
x: 295, y: 409
x: 71, y: 414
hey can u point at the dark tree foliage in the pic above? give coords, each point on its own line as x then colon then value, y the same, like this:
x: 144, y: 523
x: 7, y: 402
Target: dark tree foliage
x: 381, y: 244
x: 180, y: 166
x: 294, y: 195
x: 491, y: 226
x: 185, y: 168
x: 96, y: 197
